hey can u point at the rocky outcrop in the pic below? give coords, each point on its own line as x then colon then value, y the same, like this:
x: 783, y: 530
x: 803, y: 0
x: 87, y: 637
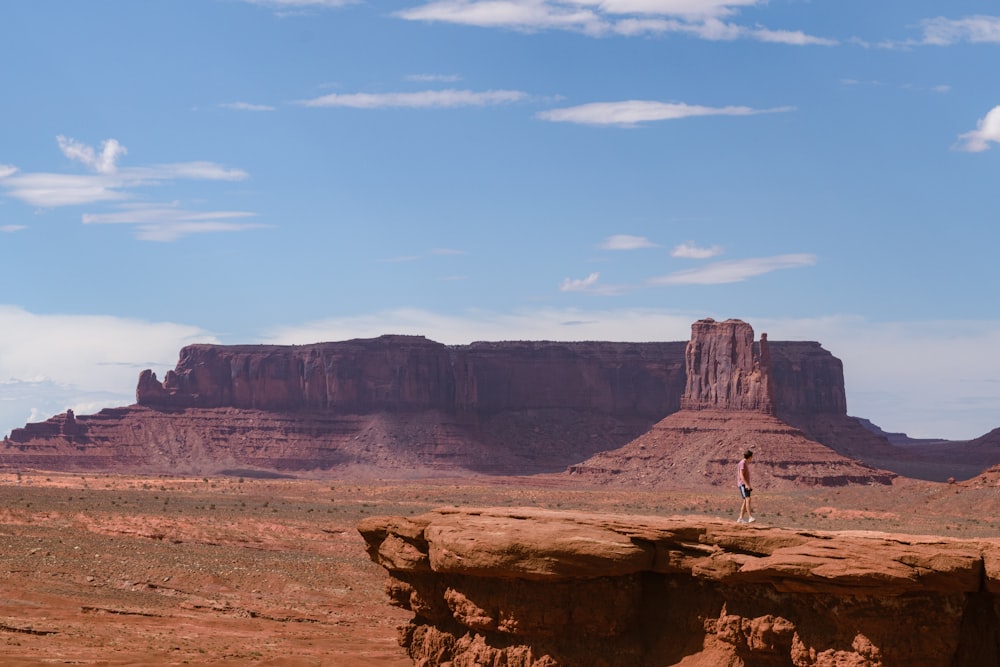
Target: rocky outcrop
x: 534, y: 588
x: 726, y: 370
x: 728, y: 408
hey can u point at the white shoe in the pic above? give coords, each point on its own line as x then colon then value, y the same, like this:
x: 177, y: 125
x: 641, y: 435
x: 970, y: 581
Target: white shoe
x: 751, y: 520
x: 741, y: 520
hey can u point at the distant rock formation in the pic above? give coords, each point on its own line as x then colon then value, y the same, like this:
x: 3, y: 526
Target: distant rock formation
x: 728, y: 407
x: 406, y: 404
x: 726, y: 370
x: 526, y: 587
x: 411, y: 373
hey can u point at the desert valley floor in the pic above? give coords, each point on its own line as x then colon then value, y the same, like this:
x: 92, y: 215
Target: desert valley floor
x: 126, y: 570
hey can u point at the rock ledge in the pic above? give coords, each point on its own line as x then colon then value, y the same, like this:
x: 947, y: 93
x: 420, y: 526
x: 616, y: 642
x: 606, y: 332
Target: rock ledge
x: 525, y: 587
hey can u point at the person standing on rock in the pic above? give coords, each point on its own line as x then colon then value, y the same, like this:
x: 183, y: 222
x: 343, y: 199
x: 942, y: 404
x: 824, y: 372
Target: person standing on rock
x: 743, y: 480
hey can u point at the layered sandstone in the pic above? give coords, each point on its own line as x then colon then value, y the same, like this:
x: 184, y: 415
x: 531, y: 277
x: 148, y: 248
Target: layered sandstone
x: 526, y: 587
x: 409, y: 404
x: 406, y: 373
x: 726, y: 370
x: 728, y: 408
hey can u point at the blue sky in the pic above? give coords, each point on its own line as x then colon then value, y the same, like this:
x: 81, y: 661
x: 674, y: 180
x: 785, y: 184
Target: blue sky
x: 295, y: 171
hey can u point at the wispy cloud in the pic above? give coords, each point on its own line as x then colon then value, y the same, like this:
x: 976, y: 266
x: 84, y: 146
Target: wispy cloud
x: 436, y: 252
x: 292, y: 5
x: 111, y: 182
x: 168, y: 222
x: 247, y: 106
x: 103, y: 162
x: 690, y: 250
x: 10, y: 229
x: 733, y: 271
x: 579, y: 284
x: 626, y: 242
x: 591, y: 285
x: 978, y: 29
x: 425, y: 99
x: 633, y: 112
x: 987, y: 131
x: 434, y: 78
x: 704, y: 19
x: 939, y: 88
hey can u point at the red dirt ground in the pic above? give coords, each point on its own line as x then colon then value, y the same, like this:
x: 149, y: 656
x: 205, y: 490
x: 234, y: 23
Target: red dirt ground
x: 124, y: 570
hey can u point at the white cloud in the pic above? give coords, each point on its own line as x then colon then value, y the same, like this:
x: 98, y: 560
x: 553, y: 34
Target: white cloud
x: 979, y: 29
x: 419, y: 100
x: 53, y: 190
x: 247, y: 106
x: 734, y: 271
x: 103, y: 162
x: 111, y: 183
x: 792, y: 37
x: 526, y: 15
x: 302, y: 4
x: 690, y: 250
x: 11, y: 228
x: 579, y: 284
x: 99, y: 363
x: 987, y: 131
x: 632, y: 112
x: 168, y: 222
x: 626, y: 242
x: 699, y: 18
x: 591, y: 285
x: 714, y: 30
x: 197, y: 171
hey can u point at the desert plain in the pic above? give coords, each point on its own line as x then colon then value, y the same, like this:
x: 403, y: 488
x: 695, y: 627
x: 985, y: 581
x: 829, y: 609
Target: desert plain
x: 105, y: 569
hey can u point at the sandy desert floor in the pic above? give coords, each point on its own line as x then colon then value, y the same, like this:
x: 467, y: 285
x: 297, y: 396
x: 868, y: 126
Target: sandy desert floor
x: 124, y: 570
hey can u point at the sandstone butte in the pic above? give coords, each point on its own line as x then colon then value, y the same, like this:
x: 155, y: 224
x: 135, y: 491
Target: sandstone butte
x: 524, y: 587
x: 672, y: 413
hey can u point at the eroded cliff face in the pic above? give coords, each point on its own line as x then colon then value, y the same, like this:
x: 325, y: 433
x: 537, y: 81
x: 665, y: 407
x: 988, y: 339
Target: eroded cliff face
x: 414, y: 373
x: 407, y: 403
x: 726, y: 370
x: 731, y: 404
x: 525, y: 587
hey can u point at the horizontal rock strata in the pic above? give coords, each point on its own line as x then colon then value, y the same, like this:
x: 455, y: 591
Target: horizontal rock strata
x: 525, y: 587
x: 408, y: 404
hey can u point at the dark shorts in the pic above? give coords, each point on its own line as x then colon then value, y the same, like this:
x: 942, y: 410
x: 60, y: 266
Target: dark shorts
x: 744, y: 491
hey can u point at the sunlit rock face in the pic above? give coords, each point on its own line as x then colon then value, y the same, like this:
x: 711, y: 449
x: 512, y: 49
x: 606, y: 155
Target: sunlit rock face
x: 533, y: 588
